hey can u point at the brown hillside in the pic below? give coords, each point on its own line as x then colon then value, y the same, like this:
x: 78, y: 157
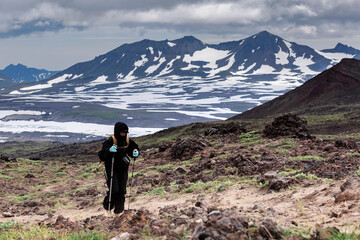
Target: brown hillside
x: 339, y: 85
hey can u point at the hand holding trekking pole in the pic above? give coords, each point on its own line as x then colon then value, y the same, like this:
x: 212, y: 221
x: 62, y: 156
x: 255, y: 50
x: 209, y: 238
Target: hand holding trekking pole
x: 135, y: 154
x: 113, y: 149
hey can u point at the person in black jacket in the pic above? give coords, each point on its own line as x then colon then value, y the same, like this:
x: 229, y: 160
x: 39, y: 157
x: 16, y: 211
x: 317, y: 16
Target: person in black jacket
x: 120, y: 147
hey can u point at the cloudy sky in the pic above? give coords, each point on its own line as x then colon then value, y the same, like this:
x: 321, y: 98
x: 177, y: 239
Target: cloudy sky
x: 55, y: 34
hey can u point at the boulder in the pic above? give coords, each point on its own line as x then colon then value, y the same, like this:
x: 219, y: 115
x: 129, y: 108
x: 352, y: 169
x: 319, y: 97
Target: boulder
x: 350, y: 190
x: 287, y: 125
x: 269, y: 230
x: 186, y: 148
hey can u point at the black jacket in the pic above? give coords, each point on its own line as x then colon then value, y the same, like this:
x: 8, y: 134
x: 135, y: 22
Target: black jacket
x: 106, y: 156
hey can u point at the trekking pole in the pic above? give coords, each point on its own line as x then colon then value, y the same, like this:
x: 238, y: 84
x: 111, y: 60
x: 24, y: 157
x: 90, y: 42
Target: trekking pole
x: 132, y: 179
x: 111, y: 181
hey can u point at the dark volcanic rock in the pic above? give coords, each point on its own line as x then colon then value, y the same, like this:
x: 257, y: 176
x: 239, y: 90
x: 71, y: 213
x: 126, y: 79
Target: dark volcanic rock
x: 346, y: 144
x: 269, y: 230
x: 275, y: 182
x: 225, y: 129
x: 186, y: 148
x: 228, y: 224
x: 232, y: 128
x: 287, y: 125
x: 29, y: 175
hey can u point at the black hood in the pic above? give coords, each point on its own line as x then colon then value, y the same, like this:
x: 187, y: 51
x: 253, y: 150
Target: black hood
x: 120, y: 127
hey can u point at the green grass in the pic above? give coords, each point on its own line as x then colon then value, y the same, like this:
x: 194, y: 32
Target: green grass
x: 60, y: 173
x: 336, y: 235
x: 187, y: 163
x: 323, y: 119
x: 5, y: 177
x: 288, y: 143
x: 7, y: 225
x: 162, y: 167
x: 16, y: 149
x: 288, y: 171
x: 358, y: 172
x: 85, y: 175
x: 281, y: 151
x: 307, y: 158
x: 13, y: 231
x: 262, y: 185
x: 137, y: 173
x: 353, y: 155
x: 23, y: 198
x: 64, y: 206
x: 217, y: 185
x: 156, y: 191
x: 311, y: 177
x: 250, y: 138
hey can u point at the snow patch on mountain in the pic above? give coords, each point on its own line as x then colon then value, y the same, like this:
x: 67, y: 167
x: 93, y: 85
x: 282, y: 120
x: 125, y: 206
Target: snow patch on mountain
x: 49, y: 84
x: 230, y: 62
x: 168, y: 67
x: 156, y: 58
x: 209, y: 55
x: 281, y: 57
x: 303, y: 63
x: 151, y: 49
x: 141, y: 62
x: 264, y: 69
x: 171, y: 44
x: 153, y: 68
x: 335, y: 57
x: 291, y: 51
x: 99, y: 80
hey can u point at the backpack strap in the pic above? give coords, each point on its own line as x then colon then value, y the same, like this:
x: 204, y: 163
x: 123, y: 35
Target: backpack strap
x: 115, y: 140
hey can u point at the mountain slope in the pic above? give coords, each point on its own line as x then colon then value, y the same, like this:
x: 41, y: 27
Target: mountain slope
x: 5, y: 81
x: 21, y: 73
x: 335, y: 91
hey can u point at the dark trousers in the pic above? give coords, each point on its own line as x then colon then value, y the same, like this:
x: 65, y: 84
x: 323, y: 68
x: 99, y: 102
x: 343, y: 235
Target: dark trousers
x: 120, y: 177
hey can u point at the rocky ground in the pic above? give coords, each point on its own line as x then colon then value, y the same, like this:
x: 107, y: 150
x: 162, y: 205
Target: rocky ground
x: 226, y: 183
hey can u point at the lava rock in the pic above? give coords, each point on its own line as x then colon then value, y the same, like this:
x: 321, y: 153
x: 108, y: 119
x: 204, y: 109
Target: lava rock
x: 287, y: 125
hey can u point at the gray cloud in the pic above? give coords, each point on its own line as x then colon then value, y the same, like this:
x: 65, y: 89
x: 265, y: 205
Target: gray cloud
x: 299, y: 17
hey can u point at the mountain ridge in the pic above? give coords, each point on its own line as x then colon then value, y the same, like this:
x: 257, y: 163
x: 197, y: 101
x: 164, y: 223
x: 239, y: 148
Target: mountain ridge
x: 20, y: 73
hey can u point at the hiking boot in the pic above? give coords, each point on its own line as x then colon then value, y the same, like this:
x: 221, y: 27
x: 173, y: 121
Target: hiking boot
x: 119, y: 214
x: 108, y: 213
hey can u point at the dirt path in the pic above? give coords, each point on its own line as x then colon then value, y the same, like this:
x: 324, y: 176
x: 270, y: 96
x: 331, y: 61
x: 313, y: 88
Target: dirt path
x: 302, y: 207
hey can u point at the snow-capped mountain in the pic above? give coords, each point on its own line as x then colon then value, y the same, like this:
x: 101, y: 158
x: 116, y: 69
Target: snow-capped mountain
x: 341, y: 49
x: 160, y: 84
x: 188, y: 57
x: 21, y: 73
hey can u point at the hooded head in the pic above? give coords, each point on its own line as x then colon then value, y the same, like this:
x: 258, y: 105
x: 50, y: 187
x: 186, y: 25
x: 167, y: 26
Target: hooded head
x: 120, y: 127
